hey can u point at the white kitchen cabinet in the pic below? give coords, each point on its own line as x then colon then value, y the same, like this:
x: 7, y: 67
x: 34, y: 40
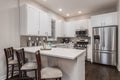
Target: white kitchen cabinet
x: 45, y: 24
x: 104, y: 19
x: 70, y: 29
x: 72, y: 26
x: 60, y: 28
x: 81, y: 24
x: 29, y: 20
x: 110, y: 19
x: 34, y: 21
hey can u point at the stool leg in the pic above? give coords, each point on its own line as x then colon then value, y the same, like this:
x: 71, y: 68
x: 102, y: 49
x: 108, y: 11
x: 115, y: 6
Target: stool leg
x: 35, y: 74
x: 12, y: 70
x: 7, y: 72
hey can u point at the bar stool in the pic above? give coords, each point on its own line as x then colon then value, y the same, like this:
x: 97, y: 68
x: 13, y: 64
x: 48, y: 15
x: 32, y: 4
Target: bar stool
x: 47, y: 72
x: 23, y: 66
x: 10, y: 62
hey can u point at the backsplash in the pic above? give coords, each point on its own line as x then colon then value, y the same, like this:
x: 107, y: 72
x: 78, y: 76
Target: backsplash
x: 25, y: 40
x: 36, y: 40
x: 31, y: 40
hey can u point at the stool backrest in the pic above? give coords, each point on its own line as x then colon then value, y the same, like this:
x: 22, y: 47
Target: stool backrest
x: 9, y: 53
x: 20, y: 57
x: 38, y: 59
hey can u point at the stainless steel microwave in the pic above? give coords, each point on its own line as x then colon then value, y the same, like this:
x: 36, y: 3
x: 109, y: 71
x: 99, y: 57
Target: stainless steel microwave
x: 82, y: 33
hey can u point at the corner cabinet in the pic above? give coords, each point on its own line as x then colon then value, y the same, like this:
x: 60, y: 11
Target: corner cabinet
x: 34, y: 22
x: 104, y: 19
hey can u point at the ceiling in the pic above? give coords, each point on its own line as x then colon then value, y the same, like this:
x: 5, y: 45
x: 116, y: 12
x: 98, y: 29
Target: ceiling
x: 73, y: 6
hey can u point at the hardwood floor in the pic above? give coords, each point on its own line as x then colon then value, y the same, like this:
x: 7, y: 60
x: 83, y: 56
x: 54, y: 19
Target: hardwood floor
x: 101, y: 72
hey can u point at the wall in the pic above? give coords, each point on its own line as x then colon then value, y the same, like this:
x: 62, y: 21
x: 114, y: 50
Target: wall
x: 9, y: 29
x: 119, y: 35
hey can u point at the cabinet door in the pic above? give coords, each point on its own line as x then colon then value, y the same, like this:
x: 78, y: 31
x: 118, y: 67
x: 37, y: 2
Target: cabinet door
x: 32, y: 21
x: 104, y: 20
x: 58, y: 27
x: 29, y: 20
x: 96, y: 21
x: 48, y: 24
x: 107, y: 19
x: 70, y: 29
x: 45, y: 24
x: 110, y: 19
x: 81, y: 24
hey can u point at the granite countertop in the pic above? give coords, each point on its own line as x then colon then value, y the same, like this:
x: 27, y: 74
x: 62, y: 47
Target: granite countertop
x: 66, y: 53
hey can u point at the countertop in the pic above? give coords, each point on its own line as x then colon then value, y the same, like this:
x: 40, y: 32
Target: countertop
x: 66, y: 53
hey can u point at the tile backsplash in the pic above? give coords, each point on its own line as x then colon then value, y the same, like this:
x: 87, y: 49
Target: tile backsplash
x: 35, y: 40
x: 26, y: 40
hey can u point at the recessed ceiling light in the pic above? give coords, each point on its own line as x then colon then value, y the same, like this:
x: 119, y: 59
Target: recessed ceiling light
x: 79, y: 12
x: 60, y: 9
x: 45, y: 0
x: 67, y: 15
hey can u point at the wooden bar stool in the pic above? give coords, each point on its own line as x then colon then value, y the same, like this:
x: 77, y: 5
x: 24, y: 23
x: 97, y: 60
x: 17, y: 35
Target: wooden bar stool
x: 47, y: 72
x: 11, y: 63
x: 23, y: 66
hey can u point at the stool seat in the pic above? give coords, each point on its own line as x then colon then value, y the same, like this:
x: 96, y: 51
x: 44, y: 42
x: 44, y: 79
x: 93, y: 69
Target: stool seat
x: 49, y: 72
x: 12, y: 62
x: 29, y: 66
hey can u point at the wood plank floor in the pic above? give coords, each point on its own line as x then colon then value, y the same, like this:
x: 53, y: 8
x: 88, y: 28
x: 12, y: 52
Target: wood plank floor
x: 101, y: 72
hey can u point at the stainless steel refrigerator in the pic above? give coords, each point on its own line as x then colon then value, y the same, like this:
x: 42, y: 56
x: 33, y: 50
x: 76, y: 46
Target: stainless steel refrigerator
x: 105, y: 40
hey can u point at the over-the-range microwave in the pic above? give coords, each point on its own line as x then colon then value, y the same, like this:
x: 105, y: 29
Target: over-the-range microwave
x: 81, y: 33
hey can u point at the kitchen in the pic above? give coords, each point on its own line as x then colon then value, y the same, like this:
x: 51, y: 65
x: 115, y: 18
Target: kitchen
x: 30, y: 23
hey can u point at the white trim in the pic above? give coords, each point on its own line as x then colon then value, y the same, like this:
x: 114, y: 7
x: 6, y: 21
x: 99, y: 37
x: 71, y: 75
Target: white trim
x: 3, y: 77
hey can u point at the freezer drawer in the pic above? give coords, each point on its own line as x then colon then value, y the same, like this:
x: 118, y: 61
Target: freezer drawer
x: 106, y: 58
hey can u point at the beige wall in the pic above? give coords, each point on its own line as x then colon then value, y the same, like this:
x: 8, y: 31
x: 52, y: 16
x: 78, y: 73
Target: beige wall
x: 9, y: 29
x: 119, y: 35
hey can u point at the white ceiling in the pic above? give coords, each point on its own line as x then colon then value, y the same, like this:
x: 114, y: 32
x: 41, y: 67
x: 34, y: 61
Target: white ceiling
x: 73, y: 6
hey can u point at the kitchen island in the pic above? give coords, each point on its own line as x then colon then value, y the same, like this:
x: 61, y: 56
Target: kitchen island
x: 70, y: 61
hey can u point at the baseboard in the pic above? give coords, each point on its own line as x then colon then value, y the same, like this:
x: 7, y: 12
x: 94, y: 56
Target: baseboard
x: 2, y: 77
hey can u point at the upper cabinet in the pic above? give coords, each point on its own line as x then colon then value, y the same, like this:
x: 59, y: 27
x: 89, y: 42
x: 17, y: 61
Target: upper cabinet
x: 104, y: 19
x: 69, y: 30
x: 29, y: 20
x: 82, y: 24
x: 72, y: 26
x: 34, y: 22
x: 59, y: 25
x: 45, y: 24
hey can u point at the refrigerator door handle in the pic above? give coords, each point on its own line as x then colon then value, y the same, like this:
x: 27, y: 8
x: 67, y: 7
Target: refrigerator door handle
x: 103, y: 38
